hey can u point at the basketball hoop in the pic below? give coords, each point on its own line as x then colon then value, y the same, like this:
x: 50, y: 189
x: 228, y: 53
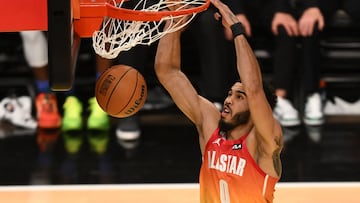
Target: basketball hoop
x: 127, y: 24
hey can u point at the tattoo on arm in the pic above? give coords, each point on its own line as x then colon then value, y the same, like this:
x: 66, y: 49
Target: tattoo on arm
x: 276, y: 157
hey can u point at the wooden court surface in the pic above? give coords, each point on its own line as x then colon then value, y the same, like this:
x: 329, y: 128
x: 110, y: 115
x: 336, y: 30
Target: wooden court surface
x: 343, y: 192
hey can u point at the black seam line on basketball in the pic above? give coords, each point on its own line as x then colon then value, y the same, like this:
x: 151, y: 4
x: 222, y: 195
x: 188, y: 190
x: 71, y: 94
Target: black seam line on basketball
x: 112, y: 92
x: 133, y: 93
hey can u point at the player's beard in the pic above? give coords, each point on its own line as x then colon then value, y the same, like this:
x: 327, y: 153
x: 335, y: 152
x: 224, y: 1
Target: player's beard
x: 238, y: 119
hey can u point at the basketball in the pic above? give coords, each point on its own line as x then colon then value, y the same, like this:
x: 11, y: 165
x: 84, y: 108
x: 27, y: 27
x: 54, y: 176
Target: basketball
x: 121, y: 91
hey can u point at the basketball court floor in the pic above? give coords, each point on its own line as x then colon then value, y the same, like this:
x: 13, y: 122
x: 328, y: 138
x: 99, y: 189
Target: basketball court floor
x: 172, y: 193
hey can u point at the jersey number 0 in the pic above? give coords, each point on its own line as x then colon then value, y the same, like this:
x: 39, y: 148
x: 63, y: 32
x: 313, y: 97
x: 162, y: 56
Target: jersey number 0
x: 224, y: 191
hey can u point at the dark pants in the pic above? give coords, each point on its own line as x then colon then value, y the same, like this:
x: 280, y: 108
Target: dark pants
x: 295, y: 56
x: 301, y: 55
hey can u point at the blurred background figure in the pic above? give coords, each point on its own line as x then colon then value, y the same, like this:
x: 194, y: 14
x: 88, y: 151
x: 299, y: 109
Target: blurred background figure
x: 36, y: 54
x: 297, y: 26
x: 73, y: 111
x: 18, y: 110
x: 48, y: 116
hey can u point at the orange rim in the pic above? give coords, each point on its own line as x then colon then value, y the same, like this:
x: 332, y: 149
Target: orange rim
x: 90, y: 9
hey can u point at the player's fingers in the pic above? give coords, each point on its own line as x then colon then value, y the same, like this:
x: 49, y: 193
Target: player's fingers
x: 217, y: 16
x: 247, y: 28
x: 248, y: 31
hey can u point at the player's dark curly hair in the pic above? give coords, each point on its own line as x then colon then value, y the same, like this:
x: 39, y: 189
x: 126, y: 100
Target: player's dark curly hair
x: 269, y: 93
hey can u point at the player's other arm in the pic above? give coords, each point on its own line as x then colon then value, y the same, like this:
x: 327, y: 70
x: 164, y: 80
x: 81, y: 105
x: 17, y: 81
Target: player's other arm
x: 168, y: 71
x: 167, y: 68
x: 268, y: 129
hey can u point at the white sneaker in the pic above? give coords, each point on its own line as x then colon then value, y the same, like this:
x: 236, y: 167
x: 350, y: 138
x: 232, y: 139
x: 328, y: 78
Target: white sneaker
x: 332, y: 109
x: 26, y: 103
x: 342, y: 107
x: 128, y: 128
x: 285, y: 113
x: 313, y: 114
x: 346, y: 107
x: 18, y: 112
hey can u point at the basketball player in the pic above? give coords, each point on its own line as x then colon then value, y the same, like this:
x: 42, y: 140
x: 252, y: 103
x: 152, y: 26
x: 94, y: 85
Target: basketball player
x: 241, y: 145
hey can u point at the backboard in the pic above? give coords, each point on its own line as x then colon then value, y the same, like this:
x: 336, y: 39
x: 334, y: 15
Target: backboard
x: 55, y: 18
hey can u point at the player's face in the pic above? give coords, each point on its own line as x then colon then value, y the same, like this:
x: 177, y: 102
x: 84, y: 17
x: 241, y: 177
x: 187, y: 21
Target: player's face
x: 235, y: 110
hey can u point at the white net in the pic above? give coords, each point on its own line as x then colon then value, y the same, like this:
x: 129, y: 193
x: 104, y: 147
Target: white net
x: 117, y: 35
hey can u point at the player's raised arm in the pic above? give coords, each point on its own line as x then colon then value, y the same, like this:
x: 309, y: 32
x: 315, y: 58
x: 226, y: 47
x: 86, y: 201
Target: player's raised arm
x: 269, y: 131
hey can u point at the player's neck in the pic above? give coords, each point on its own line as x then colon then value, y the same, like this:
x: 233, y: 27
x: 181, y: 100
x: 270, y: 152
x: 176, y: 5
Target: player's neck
x: 238, y: 132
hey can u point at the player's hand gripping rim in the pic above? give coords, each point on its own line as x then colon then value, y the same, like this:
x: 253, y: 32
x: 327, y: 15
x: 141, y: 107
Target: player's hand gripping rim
x: 228, y: 18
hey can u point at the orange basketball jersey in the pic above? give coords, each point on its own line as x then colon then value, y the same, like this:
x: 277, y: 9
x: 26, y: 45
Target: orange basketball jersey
x: 229, y: 174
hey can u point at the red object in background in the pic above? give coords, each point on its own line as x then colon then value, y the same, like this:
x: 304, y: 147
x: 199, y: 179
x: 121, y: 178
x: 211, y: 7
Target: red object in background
x: 21, y: 15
